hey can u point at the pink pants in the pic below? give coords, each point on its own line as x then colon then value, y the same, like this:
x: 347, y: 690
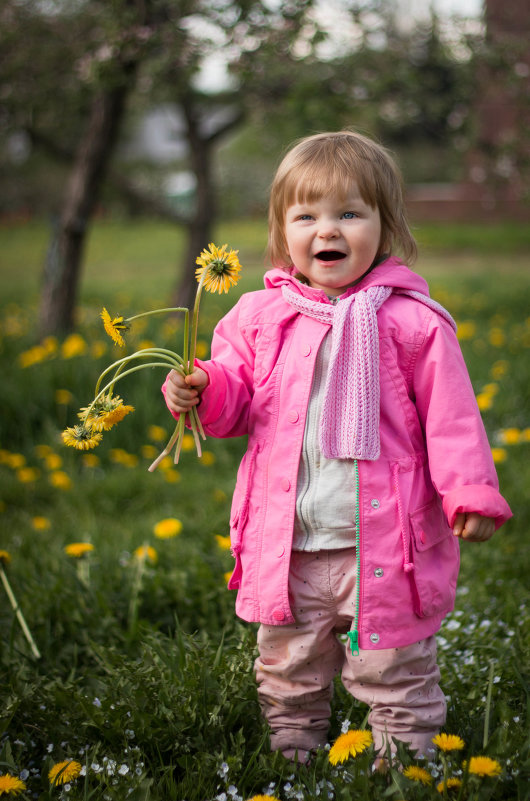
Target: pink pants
x: 297, y: 664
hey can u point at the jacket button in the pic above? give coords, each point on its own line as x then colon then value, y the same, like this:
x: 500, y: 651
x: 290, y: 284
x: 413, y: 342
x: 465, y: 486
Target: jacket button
x: 293, y: 416
x: 374, y: 637
x: 278, y: 614
x: 306, y: 349
x: 379, y: 572
x: 374, y: 503
x: 285, y: 484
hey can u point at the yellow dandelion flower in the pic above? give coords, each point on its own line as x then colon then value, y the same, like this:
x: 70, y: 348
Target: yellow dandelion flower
x: 451, y: 784
x: 207, y: 458
x: 218, y: 268
x: 27, y: 475
x: 147, y: 552
x: 484, y: 401
x: 73, y: 345
x: 81, y: 437
x: 78, y: 549
x: 219, y: 495
x: 448, y: 742
x: 171, y: 475
x: 202, y: 349
x: 499, y: 369
x: 15, y: 460
x: 350, y: 744
x: 145, y: 344
x: 417, y: 774
x: 157, y: 433
x: 188, y: 443
x: 104, y: 413
x: 40, y: 523
x: 263, y: 798
x: 43, y: 451
x: 64, y: 772
x: 98, y: 349
x: 53, y: 461
x: 90, y: 459
x: 113, y: 327
x: 223, y: 542
x: 466, y: 330
x: 499, y: 455
x: 167, y: 528
x: 60, y: 480
x: 121, y: 456
x: 510, y: 436
x: 149, y: 451
x: 484, y: 766
x: 227, y: 576
x: 5, y: 557
x: 63, y: 397
x: 11, y: 785
x: 497, y: 337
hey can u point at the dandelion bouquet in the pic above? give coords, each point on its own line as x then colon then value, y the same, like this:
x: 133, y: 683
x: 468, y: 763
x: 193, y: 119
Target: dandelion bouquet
x: 218, y: 270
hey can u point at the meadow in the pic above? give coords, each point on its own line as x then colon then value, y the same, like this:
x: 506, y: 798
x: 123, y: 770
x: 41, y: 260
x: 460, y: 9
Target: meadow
x: 134, y: 679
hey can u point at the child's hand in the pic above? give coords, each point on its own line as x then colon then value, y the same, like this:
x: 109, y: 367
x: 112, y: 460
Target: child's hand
x: 183, y: 392
x: 473, y: 527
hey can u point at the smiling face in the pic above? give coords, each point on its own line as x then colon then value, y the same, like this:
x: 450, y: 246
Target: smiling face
x: 333, y: 241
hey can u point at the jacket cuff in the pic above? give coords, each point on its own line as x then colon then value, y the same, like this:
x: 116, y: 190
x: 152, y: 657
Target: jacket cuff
x: 479, y: 499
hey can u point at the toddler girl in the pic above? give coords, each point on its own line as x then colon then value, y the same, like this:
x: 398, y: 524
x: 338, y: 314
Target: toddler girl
x: 367, y: 459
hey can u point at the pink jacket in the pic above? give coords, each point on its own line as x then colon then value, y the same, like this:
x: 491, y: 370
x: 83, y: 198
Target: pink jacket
x: 435, y: 458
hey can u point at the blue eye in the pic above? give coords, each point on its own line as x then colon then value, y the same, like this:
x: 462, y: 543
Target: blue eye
x: 349, y: 215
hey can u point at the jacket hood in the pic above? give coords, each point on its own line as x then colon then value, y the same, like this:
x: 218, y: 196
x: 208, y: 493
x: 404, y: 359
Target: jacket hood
x: 390, y: 272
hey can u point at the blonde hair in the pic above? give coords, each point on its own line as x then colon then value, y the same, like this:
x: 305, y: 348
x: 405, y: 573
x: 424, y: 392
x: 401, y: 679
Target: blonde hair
x: 327, y: 164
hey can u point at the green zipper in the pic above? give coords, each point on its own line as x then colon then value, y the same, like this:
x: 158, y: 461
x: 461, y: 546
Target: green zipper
x: 354, y: 633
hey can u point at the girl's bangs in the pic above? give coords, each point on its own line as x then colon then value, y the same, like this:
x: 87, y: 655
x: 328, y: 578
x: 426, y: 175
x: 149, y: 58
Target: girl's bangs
x: 313, y: 181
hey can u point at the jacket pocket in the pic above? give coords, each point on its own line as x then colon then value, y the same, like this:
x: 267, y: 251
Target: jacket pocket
x: 240, y: 506
x: 436, y: 560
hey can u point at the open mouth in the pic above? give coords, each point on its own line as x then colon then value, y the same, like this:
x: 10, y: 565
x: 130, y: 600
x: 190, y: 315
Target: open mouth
x: 330, y: 255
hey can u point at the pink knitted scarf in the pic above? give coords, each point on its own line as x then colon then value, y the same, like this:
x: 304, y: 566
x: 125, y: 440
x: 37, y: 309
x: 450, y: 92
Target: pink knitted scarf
x: 349, y: 426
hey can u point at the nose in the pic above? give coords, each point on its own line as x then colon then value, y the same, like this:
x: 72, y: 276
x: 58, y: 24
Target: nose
x: 328, y: 229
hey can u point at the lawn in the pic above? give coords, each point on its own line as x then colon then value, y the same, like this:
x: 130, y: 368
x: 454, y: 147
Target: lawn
x: 143, y: 683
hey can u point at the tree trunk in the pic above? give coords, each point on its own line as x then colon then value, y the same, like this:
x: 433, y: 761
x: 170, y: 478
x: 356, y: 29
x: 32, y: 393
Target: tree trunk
x: 63, y: 262
x: 200, y: 227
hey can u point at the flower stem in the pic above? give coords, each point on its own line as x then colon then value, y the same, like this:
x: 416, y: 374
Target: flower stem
x: 18, y: 612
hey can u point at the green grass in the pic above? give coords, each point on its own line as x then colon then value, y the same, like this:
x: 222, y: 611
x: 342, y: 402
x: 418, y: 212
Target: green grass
x: 145, y: 675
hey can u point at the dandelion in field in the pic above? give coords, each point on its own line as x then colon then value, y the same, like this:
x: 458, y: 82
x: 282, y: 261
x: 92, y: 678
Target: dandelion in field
x: 207, y: 458
x: 484, y: 401
x: 466, y: 330
x: 223, y: 542
x: 90, y: 460
x: 5, y: 557
x: 114, y: 327
x: 167, y: 528
x: 148, y: 451
x: 40, y: 523
x: 78, y: 549
x: 484, y: 766
x: 73, y: 345
x: 81, y: 437
x: 64, y: 772
x: 98, y: 349
x: 218, y: 268
x: 417, y: 774
x: 146, y: 553
x: 227, y: 576
x: 171, y: 476
x: 450, y: 785
x: 11, y: 785
x: 499, y: 369
x: 188, y: 443
x: 157, y: 433
x: 63, y: 397
x: 448, y: 742
x: 350, y: 744
x: 499, y: 455
x: 510, y: 436
x: 263, y: 798
x: 27, y: 475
